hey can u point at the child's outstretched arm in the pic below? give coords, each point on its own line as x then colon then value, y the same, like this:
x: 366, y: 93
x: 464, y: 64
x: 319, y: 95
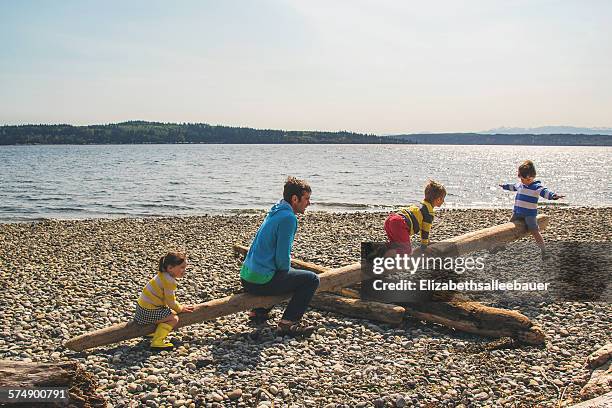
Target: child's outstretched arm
x: 509, y: 187
x: 549, y: 195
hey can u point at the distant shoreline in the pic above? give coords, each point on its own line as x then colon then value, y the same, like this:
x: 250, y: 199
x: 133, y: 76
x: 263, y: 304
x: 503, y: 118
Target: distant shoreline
x: 139, y: 132
x: 310, y: 144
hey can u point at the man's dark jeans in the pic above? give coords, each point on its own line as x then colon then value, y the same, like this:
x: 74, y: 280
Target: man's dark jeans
x: 303, y: 285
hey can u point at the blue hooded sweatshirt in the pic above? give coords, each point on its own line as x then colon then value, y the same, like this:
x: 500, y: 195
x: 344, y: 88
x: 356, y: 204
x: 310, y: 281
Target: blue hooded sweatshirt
x: 271, y: 247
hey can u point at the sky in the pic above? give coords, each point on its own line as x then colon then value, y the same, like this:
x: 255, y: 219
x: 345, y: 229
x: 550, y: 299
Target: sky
x: 382, y: 67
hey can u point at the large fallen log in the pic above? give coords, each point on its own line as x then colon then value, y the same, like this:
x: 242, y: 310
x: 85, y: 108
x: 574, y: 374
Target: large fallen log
x: 81, y: 385
x: 362, y: 309
x: 476, y: 318
x: 456, y: 312
x: 332, y: 280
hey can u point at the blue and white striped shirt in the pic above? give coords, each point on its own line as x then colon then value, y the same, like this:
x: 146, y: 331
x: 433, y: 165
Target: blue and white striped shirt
x: 526, y: 200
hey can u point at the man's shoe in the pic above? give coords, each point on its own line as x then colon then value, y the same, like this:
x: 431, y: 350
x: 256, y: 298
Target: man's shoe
x: 294, y: 330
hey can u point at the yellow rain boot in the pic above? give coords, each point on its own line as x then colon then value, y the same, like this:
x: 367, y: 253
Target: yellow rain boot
x: 161, y: 332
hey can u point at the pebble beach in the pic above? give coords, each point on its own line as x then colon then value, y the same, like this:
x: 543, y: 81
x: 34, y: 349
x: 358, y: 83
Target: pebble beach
x: 61, y: 279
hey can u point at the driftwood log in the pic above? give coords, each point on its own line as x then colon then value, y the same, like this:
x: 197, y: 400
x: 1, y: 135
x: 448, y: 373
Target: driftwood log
x: 601, y: 377
x: 334, y: 279
x: 600, y: 356
x: 362, y: 309
x: 81, y: 385
x: 456, y: 313
x: 476, y: 318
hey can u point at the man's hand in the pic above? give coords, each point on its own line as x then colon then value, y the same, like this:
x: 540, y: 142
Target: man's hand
x: 557, y: 197
x: 187, y: 309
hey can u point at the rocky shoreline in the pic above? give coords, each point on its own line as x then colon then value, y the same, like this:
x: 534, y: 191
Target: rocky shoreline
x: 64, y: 278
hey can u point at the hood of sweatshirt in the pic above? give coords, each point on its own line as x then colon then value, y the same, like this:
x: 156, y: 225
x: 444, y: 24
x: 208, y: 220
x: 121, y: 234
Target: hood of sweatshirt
x: 279, y: 207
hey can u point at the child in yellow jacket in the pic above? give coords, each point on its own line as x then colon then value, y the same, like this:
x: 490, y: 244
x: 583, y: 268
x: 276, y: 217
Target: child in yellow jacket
x: 157, y: 302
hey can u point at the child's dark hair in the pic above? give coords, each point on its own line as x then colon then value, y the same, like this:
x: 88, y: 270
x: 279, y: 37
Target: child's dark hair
x: 171, y: 259
x: 434, y: 190
x: 527, y: 169
x: 294, y: 186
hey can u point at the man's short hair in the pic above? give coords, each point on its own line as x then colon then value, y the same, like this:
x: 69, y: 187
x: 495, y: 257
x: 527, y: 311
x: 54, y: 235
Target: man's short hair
x: 527, y: 169
x: 434, y: 190
x: 294, y: 186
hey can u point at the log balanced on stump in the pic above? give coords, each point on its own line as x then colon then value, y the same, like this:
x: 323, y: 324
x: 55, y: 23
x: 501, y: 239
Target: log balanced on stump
x: 449, y: 310
x: 334, y: 279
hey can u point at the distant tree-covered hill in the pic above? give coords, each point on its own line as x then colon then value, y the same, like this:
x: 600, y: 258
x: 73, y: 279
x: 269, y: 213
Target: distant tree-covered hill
x: 139, y: 132
x: 153, y: 132
x: 507, y: 139
x: 549, y: 130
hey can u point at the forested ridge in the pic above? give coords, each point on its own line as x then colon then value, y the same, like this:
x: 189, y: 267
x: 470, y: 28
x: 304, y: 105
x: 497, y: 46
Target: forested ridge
x: 138, y: 132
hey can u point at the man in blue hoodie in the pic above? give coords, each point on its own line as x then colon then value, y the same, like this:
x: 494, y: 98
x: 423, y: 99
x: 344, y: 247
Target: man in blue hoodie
x: 267, y: 267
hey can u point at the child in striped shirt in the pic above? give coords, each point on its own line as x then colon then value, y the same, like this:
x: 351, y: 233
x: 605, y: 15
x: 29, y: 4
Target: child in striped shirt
x: 526, y: 201
x: 157, y: 303
x: 407, y: 221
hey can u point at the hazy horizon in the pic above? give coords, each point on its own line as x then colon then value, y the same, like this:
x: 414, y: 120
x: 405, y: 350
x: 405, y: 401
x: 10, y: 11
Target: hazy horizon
x: 376, y: 67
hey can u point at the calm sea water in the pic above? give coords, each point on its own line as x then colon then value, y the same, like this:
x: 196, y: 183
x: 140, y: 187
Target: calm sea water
x: 69, y: 182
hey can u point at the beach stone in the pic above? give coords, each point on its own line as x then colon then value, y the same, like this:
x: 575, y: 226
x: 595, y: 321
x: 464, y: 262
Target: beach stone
x: 235, y: 394
x: 482, y: 396
x: 150, y: 396
x: 400, y: 401
x: 152, y: 380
